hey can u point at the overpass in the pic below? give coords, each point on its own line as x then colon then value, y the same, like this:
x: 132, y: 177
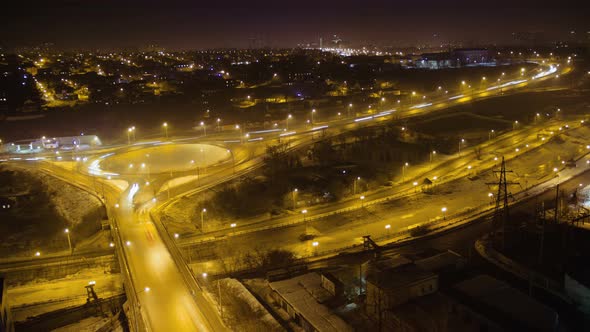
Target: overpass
x: 163, y: 293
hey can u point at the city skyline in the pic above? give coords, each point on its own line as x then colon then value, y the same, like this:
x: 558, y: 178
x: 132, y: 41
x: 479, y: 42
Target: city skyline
x: 185, y: 25
x: 320, y: 165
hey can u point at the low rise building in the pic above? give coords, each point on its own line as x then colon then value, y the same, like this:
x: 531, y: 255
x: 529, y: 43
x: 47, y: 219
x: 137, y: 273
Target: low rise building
x: 447, y: 265
x: 456, y: 58
x: 302, y: 297
x: 332, y: 284
x: 389, y: 287
x: 488, y: 304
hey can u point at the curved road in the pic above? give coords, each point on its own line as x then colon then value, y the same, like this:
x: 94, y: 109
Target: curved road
x: 168, y: 297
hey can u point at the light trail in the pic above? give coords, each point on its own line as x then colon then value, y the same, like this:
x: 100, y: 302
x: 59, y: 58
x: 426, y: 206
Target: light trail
x: 421, y: 105
x: 363, y: 119
x: 319, y: 128
x: 264, y: 131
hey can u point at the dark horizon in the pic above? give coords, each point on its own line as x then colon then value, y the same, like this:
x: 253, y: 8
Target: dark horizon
x: 232, y: 24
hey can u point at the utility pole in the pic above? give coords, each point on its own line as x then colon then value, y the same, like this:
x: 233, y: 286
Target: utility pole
x: 501, y: 213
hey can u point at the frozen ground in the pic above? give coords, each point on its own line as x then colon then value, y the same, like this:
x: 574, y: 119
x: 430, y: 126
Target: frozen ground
x: 71, y: 203
x: 241, y: 310
x: 177, y: 182
x: 165, y: 158
x: 42, y: 296
x: 89, y: 324
x: 47, y: 207
x: 345, y: 229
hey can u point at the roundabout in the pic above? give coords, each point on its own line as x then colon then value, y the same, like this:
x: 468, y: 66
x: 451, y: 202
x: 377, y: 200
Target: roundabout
x: 164, y: 158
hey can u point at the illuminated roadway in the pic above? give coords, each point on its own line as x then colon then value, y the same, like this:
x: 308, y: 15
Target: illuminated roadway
x: 167, y: 304
x: 168, y: 298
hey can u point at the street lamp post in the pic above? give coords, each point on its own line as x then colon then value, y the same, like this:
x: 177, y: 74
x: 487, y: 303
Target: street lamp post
x: 490, y: 133
x: 288, y: 118
x: 349, y: 109
x: 144, y: 290
x: 238, y: 127
x: 146, y: 167
x: 404, y: 171
x: 362, y: 201
x: 304, y: 212
x: 218, y: 124
x: 128, y: 135
x: 165, y: 125
x: 461, y: 144
x: 358, y: 178
x: 432, y: 153
x: 204, y: 128
x: 315, y: 245
x: 67, y: 231
x: 312, y: 115
x: 203, y: 219
x: 444, y: 212
x: 293, y: 194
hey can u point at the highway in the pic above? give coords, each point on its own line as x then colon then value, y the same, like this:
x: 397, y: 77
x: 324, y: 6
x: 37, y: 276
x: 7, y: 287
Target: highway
x: 442, y: 170
x: 166, y: 300
x: 168, y: 296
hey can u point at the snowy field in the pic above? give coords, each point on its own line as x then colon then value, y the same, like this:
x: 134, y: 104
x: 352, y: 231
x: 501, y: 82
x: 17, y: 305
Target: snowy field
x: 43, y: 296
x: 165, y: 158
x: 531, y: 168
x: 45, y: 209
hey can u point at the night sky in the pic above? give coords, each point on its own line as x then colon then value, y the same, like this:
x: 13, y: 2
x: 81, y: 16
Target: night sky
x: 197, y: 24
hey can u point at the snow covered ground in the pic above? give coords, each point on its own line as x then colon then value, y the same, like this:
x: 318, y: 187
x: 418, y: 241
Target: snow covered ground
x: 71, y: 203
x: 343, y: 230
x: 241, y: 310
x: 47, y: 207
x: 177, y: 182
x: 121, y: 184
x: 89, y: 324
x: 42, y: 296
x: 165, y: 158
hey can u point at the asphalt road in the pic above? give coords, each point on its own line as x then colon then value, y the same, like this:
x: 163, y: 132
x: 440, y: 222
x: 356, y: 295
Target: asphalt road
x: 167, y: 300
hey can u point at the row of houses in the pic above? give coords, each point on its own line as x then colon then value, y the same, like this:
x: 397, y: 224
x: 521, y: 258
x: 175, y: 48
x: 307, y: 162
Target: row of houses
x: 397, y: 293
